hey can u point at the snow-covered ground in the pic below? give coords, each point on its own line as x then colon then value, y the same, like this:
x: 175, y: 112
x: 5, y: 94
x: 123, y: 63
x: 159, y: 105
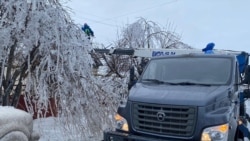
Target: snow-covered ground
x: 18, y: 125
x: 51, y: 129
x: 48, y: 129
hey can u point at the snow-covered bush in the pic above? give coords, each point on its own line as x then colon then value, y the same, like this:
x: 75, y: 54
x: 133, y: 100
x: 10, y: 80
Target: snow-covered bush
x: 16, y: 125
x: 44, y: 54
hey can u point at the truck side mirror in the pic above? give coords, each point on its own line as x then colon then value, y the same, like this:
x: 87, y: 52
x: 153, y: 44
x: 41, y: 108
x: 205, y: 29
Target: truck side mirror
x: 142, y: 65
x: 132, y: 79
x: 246, y: 79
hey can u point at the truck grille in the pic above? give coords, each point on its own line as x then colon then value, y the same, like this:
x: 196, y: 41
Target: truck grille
x: 164, y: 119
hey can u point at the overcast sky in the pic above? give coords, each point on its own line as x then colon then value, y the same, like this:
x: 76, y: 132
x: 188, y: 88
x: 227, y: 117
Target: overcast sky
x: 224, y: 22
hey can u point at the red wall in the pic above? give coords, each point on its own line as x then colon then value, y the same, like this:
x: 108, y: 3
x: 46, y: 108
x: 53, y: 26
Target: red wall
x: 51, y: 111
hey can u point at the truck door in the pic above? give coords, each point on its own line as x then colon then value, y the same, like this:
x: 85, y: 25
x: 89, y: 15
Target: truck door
x: 237, y: 90
x: 233, y: 96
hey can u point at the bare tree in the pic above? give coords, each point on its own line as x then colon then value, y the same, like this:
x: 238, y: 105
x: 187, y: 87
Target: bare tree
x: 148, y: 34
x: 140, y: 34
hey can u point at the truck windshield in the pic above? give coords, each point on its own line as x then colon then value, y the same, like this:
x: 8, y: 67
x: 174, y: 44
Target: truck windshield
x: 182, y: 71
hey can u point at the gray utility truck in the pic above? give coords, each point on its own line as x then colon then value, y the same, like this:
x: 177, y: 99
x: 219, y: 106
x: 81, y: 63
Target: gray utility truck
x: 185, y: 95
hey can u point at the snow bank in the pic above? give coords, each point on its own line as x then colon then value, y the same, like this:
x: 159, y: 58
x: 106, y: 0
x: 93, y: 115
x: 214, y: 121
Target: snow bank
x: 16, y: 125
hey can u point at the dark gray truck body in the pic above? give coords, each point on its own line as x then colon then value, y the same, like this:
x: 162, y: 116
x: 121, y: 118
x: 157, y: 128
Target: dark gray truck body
x: 157, y: 111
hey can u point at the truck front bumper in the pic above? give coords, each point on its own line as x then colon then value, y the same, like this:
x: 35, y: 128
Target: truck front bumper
x: 120, y: 136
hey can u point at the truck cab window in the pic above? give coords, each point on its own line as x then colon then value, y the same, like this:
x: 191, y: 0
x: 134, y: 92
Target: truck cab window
x: 194, y: 70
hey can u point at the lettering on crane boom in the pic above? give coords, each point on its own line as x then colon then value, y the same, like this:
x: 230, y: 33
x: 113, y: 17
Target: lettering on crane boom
x: 162, y: 53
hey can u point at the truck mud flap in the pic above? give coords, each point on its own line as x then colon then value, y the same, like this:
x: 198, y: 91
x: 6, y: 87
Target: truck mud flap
x: 118, y: 136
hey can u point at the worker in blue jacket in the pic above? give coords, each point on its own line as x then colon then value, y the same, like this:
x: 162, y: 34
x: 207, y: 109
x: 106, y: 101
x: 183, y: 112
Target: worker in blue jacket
x: 88, y: 31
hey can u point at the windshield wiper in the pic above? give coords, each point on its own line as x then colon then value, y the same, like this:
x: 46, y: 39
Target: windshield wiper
x: 191, y: 83
x: 153, y: 80
x: 172, y: 83
x: 159, y: 81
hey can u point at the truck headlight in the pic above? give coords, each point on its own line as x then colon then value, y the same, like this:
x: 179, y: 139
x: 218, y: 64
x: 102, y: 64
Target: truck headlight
x: 215, y: 133
x: 121, y: 123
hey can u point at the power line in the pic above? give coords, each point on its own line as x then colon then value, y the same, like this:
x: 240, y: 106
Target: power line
x: 100, y: 22
x: 130, y: 13
x: 142, y: 10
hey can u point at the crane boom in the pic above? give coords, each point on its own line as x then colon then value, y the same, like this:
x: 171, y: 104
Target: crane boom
x: 142, y: 52
x: 243, y: 57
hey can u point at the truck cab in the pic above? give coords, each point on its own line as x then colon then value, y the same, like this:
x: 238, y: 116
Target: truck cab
x: 184, y: 97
